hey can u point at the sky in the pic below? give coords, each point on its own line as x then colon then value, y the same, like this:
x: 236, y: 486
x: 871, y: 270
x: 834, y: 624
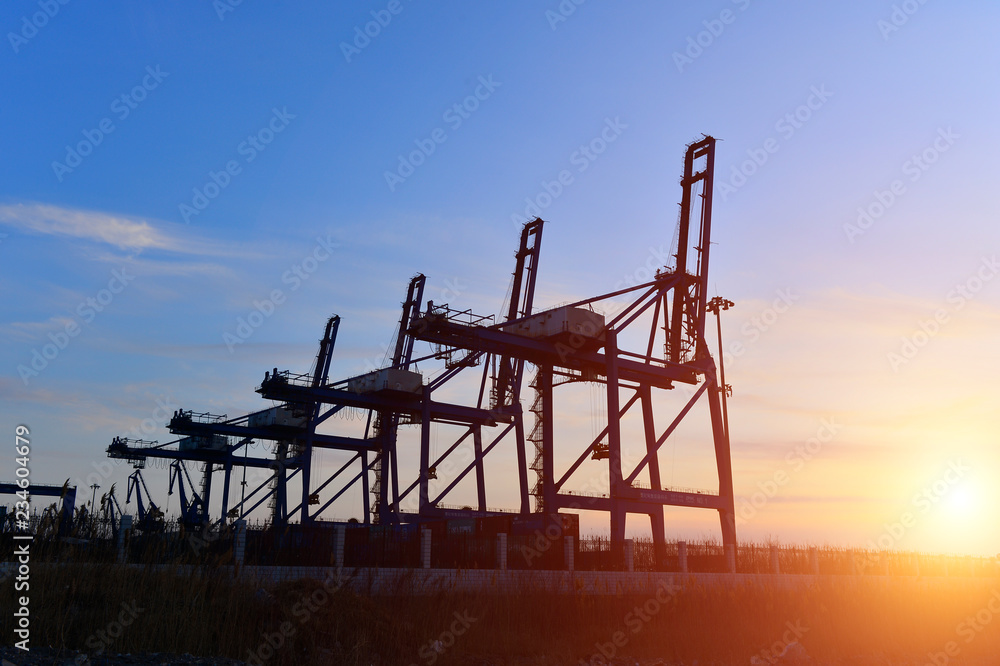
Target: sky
x: 166, y: 170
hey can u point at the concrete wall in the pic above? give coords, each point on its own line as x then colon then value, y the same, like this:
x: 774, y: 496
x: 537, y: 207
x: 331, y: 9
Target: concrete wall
x: 432, y: 581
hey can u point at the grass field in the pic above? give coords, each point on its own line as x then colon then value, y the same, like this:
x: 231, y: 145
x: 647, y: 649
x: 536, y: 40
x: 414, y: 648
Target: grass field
x: 842, y: 620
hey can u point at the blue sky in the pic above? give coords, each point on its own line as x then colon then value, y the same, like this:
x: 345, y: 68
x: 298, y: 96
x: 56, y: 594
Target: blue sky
x: 843, y: 101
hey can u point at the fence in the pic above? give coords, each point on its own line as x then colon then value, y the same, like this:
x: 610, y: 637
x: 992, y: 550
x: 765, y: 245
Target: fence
x: 542, y: 547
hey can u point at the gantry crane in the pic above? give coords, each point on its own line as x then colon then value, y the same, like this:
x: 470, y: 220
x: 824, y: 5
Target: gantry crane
x: 111, y: 511
x: 571, y: 344
x: 194, y: 513
x: 216, y: 441
x: 385, y: 478
x: 574, y: 343
x: 396, y: 395
x: 66, y: 493
x: 149, y: 516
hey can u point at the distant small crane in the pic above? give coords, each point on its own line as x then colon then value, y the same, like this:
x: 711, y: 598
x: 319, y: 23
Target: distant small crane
x: 194, y: 513
x: 150, y: 518
x: 111, y: 510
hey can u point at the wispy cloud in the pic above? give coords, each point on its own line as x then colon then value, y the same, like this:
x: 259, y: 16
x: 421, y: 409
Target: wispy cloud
x: 148, y: 267
x: 132, y: 234
x: 823, y: 499
x: 26, y: 331
x: 123, y: 232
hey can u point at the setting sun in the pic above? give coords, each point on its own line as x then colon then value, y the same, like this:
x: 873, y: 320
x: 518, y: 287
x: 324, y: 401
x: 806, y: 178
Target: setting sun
x: 278, y: 315
x: 962, y: 502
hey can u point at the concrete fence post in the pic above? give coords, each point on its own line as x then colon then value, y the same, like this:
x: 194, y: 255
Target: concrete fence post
x: 502, y: 552
x: 568, y: 553
x: 124, y: 527
x: 682, y: 556
x: 814, y: 560
x: 775, y: 563
x: 239, y: 542
x: 630, y: 555
x: 730, y: 552
x: 339, y: 545
x: 425, y: 548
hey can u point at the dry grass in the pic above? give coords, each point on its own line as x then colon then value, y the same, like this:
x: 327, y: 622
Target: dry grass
x: 900, y: 619
x: 861, y: 619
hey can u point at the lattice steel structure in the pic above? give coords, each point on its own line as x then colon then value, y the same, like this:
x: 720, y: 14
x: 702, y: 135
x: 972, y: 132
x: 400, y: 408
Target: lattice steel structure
x: 649, y: 339
x: 221, y: 444
x: 397, y: 395
x: 574, y: 343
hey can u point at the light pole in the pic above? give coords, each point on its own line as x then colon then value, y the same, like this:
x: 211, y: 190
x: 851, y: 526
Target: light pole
x: 93, y: 508
x: 716, y: 305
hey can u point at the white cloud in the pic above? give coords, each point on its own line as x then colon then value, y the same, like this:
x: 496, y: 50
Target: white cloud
x: 121, y: 231
x: 33, y: 330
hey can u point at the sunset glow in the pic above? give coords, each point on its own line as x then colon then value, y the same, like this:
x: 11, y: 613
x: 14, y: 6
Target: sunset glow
x: 836, y: 320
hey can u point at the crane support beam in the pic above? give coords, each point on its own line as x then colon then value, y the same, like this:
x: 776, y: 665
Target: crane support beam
x: 66, y: 493
x: 274, y: 433
x: 434, y: 328
x: 276, y: 388
x: 202, y: 455
x: 640, y: 500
